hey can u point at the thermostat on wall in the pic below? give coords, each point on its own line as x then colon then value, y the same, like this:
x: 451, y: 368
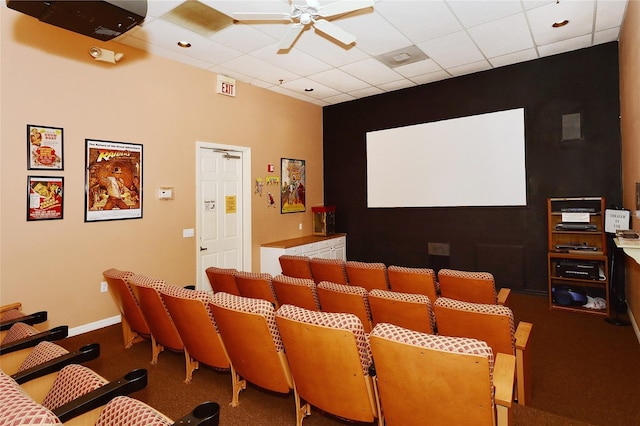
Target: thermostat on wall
x: 166, y: 193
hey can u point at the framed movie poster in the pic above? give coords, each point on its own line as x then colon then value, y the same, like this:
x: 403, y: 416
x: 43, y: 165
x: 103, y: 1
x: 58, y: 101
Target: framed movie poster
x: 44, y: 148
x: 293, y: 186
x: 113, y: 180
x: 44, y: 197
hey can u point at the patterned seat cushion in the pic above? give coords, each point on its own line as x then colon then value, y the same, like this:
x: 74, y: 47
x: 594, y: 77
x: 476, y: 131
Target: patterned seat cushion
x: 19, y: 331
x: 123, y: 410
x: 41, y: 353
x: 11, y: 314
x: 17, y: 408
x: 347, y: 322
x: 252, y: 306
x: 72, y: 381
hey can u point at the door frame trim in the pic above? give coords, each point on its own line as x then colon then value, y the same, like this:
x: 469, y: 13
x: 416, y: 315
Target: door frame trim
x: 246, y: 203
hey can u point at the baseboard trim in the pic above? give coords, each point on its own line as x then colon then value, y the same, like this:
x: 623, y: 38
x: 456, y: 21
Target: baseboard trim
x: 634, y: 324
x: 94, y: 325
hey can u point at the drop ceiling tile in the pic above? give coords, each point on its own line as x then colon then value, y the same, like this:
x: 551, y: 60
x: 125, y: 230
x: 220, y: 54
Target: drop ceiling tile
x: 606, y: 36
x: 244, y: 38
x: 431, y: 77
x: 157, y: 8
x: 503, y: 36
x: 339, y: 98
x: 295, y: 61
x: 419, y: 20
x: 371, y: 71
x: 291, y: 93
x: 418, y: 68
x: 260, y: 69
x: 565, y: 45
x: 609, y: 14
x: 375, y: 35
x: 579, y: 13
x: 167, y: 35
x: 452, y: 50
x: 239, y: 76
x: 396, y: 85
x: 363, y: 93
x: 166, y: 53
x: 319, y: 90
x: 469, y: 68
x: 329, y: 52
x: 513, y: 58
x: 339, y: 79
x: 472, y: 13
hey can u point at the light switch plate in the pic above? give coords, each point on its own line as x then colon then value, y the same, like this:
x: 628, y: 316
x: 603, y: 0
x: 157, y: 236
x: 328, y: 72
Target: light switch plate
x: 165, y: 193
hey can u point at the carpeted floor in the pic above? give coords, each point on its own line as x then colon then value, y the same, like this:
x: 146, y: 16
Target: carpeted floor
x: 586, y: 372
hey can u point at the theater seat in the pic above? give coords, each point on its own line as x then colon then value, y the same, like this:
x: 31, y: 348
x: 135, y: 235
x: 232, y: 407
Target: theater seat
x: 252, y: 340
x: 471, y: 286
x: 413, y: 280
x: 330, y: 357
x: 430, y: 379
x: 332, y: 270
x: 412, y: 311
x: 295, y: 266
x: 300, y: 292
x: 370, y: 275
x: 346, y: 299
x: 257, y: 285
x: 222, y: 280
x: 495, y: 325
x: 134, y: 326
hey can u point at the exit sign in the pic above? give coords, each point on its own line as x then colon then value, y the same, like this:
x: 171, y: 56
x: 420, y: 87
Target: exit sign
x: 226, y: 86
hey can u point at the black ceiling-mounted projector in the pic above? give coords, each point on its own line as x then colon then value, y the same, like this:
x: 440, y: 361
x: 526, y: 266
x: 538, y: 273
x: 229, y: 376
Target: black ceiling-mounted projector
x: 102, y: 20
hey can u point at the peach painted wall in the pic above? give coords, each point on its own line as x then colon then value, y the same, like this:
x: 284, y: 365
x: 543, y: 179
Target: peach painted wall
x: 48, y: 78
x: 630, y: 127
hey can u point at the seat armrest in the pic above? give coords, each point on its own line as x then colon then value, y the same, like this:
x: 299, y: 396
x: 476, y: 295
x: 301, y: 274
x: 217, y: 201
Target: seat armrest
x: 51, y: 335
x: 133, y: 381
x: 503, y: 294
x: 84, y: 354
x: 523, y: 332
x: 205, y: 414
x: 10, y: 307
x: 504, y: 371
x: 31, y: 319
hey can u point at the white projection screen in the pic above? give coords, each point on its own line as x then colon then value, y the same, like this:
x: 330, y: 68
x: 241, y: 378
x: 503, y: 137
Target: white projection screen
x: 469, y: 161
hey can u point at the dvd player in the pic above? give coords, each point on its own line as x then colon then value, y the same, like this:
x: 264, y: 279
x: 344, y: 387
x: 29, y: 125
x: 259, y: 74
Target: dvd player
x: 575, y: 226
x: 576, y: 246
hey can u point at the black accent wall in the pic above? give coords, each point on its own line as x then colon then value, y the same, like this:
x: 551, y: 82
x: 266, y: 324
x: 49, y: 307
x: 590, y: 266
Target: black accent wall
x: 510, y: 242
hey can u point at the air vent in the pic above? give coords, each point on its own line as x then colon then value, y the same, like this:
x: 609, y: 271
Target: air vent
x: 404, y: 56
x: 198, y: 17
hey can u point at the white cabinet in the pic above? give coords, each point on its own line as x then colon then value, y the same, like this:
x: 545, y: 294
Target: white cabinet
x: 328, y: 247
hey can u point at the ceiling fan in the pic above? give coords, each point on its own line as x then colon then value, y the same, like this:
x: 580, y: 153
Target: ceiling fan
x: 311, y: 13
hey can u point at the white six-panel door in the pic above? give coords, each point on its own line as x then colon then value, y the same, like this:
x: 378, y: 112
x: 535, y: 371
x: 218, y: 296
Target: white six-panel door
x: 221, y: 224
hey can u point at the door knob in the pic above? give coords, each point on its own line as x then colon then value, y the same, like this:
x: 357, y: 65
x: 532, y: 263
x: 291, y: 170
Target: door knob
x: 203, y: 248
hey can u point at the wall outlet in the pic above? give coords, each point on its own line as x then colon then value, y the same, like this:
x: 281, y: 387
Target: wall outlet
x: 104, y: 287
x: 300, y: 226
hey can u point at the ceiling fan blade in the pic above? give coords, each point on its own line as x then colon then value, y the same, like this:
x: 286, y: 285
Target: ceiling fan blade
x: 344, y: 6
x: 334, y: 31
x: 259, y: 16
x: 291, y: 36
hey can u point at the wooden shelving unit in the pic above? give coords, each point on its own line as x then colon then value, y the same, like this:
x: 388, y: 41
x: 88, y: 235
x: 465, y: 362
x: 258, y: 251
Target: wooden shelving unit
x: 577, y: 258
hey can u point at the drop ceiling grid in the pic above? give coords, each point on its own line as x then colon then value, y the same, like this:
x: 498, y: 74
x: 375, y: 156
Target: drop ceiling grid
x: 460, y: 37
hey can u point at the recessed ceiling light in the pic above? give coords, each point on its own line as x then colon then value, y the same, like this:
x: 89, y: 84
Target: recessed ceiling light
x: 309, y: 89
x: 560, y: 23
x: 184, y: 44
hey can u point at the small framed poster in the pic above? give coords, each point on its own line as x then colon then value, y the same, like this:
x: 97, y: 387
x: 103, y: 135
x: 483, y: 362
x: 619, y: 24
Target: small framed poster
x: 293, y: 185
x: 44, y: 197
x: 44, y: 147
